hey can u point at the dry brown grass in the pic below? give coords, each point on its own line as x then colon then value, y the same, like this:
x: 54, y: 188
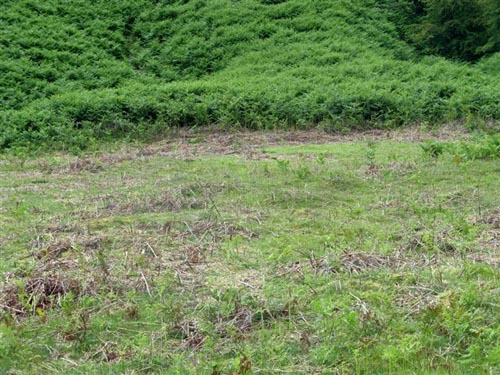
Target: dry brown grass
x: 428, y: 240
x: 189, y: 144
x: 492, y: 219
x: 416, y: 299
x: 492, y: 258
x: 359, y: 262
x: 69, y: 259
x: 39, y: 293
x: 490, y: 239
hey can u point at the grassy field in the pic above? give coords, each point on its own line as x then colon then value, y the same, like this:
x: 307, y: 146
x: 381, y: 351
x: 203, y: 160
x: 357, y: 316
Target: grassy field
x: 253, y: 253
x: 75, y: 72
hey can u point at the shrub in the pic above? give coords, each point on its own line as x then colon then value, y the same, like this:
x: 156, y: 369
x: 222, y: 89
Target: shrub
x: 123, y: 68
x: 462, y: 29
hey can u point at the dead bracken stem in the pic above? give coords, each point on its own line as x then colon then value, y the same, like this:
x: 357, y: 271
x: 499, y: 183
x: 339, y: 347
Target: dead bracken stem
x: 152, y: 250
x: 214, y: 206
x: 146, y: 283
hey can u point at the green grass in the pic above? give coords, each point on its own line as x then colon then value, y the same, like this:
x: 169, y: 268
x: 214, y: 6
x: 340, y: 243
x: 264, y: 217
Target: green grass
x: 75, y: 73
x: 360, y: 257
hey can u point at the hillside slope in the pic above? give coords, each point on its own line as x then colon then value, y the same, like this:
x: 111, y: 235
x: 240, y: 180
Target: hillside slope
x: 73, y: 71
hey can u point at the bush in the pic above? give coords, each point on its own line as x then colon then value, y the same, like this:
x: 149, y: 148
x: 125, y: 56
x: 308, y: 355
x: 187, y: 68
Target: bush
x: 73, y: 74
x: 482, y: 146
x: 462, y: 29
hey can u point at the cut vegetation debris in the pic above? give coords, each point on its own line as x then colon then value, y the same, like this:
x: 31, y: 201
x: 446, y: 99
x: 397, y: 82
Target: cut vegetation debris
x: 243, y: 253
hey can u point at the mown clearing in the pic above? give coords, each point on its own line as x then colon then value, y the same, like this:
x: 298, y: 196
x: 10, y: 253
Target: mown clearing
x: 255, y: 253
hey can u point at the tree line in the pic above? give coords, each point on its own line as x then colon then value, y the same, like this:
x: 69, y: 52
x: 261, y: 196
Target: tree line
x: 460, y: 29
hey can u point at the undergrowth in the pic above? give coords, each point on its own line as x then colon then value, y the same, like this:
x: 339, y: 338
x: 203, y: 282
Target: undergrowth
x: 75, y: 74
x: 483, y: 147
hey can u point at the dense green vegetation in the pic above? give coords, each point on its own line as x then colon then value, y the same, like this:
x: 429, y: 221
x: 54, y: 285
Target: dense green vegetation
x: 345, y: 258
x: 463, y: 29
x: 73, y: 72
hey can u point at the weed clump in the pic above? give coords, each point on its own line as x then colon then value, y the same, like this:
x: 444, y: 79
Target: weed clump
x: 482, y: 146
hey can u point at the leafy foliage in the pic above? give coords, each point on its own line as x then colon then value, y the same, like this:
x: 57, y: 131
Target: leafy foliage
x: 74, y: 74
x: 482, y: 147
x: 461, y: 29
